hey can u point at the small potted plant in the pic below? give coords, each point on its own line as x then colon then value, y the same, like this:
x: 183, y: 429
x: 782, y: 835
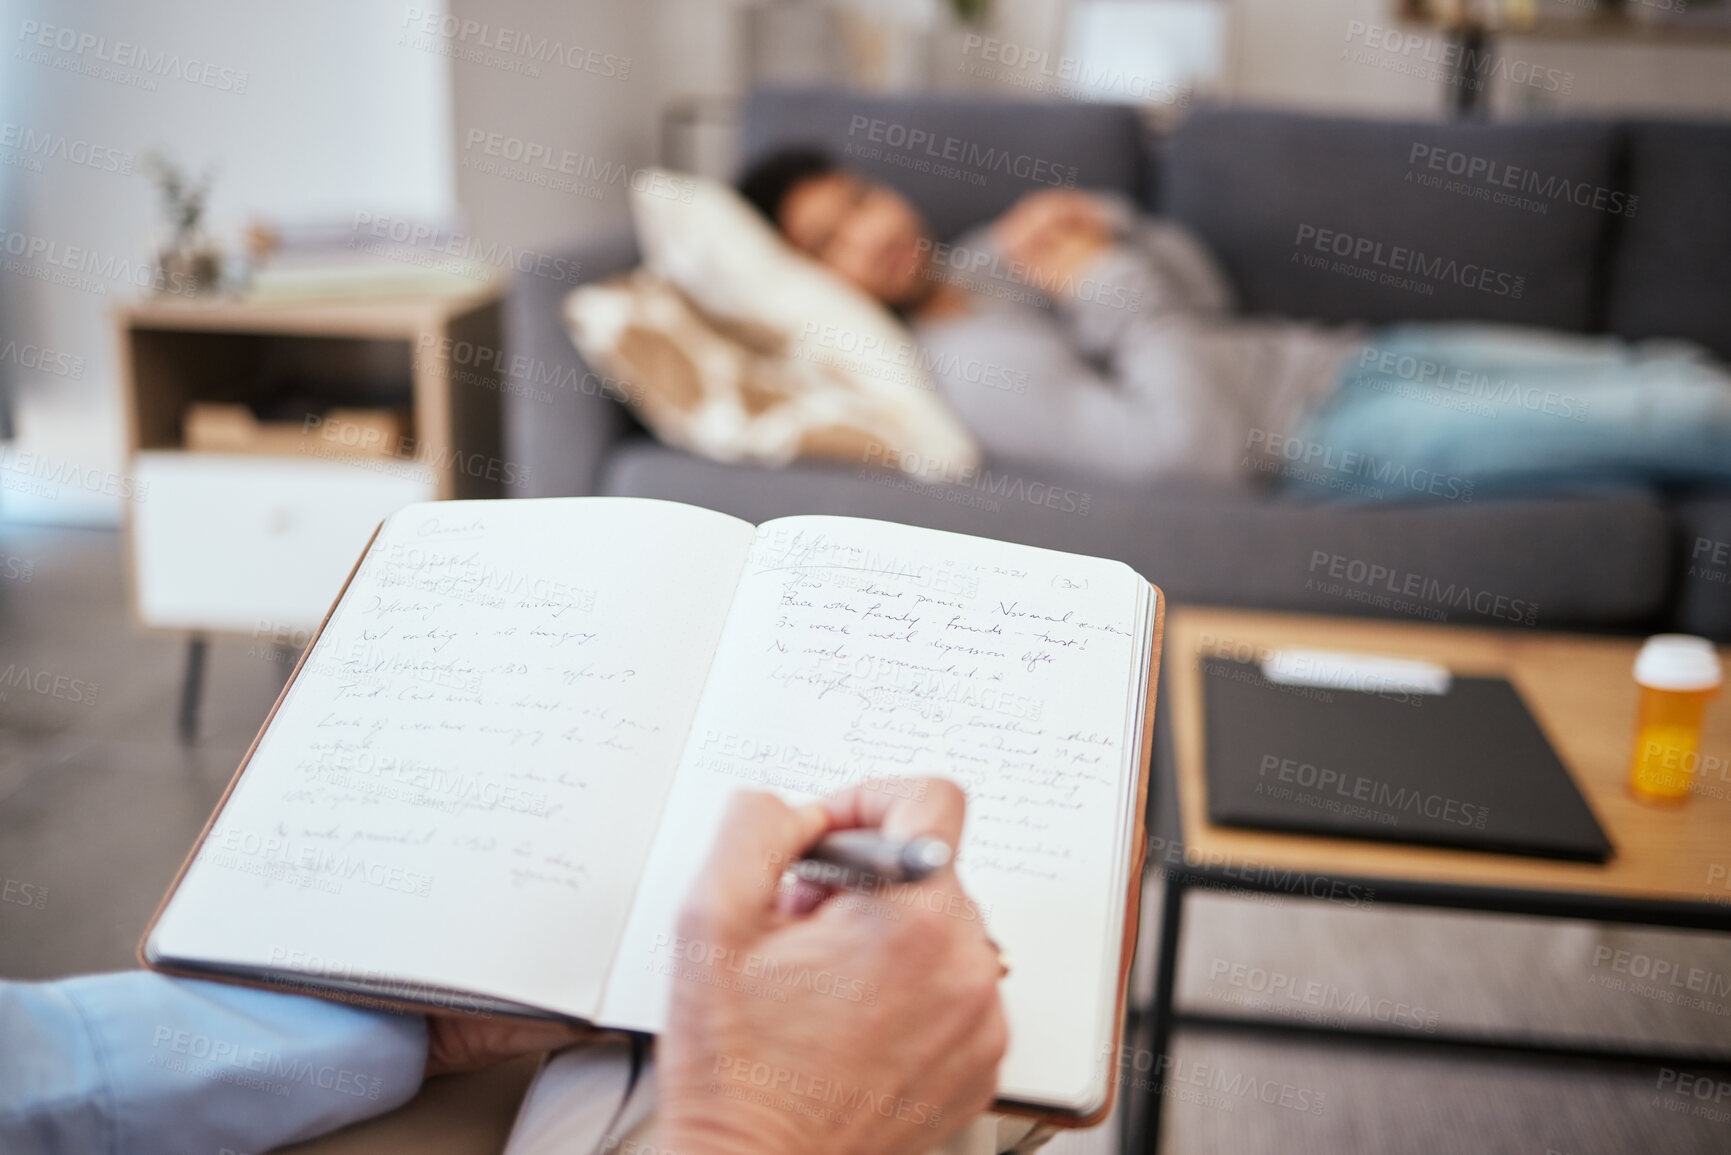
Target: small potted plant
x: 972, y: 12
x: 187, y: 261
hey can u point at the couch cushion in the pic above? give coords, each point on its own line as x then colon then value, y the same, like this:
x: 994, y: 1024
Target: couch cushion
x: 961, y: 160
x: 1359, y: 220
x: 1549, y: 563
x: 1671, y: 268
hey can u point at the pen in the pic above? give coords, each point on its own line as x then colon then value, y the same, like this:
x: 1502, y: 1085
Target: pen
x: 842, y: 858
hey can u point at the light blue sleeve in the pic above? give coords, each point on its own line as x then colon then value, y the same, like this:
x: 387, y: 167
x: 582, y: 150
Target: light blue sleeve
x: 139, y: 1063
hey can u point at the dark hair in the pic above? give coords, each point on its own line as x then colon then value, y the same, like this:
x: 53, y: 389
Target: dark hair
x: 767, y: 182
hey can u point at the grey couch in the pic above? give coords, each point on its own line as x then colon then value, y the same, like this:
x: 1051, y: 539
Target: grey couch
x: 1246, y: 182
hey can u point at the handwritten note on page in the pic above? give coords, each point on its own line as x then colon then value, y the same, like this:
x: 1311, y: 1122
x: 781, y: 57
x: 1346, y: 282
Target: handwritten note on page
x: 860, y: 649
x: 464, y: 779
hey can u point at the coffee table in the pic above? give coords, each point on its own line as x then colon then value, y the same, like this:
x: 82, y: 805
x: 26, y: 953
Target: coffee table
x: 1670, y: 866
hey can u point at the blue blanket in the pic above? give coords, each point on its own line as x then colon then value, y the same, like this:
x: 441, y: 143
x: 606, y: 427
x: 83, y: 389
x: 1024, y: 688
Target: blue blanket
x: 1459, y: 411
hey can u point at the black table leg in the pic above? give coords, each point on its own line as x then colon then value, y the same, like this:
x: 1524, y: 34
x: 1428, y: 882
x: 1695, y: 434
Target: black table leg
x: 1467, y: 75
x: 1160, y: 1024
x: 192, y: 687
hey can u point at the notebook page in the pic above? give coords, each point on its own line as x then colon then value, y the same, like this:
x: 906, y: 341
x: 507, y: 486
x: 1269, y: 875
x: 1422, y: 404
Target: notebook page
x: 461, y: 786
x: 858, y: 649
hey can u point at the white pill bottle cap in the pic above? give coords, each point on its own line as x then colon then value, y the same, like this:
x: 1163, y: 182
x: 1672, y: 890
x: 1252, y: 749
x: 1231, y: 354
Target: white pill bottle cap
x: 1678, y: 662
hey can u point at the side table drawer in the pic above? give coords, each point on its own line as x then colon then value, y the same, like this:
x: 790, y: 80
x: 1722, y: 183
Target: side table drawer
x: 255, y: 544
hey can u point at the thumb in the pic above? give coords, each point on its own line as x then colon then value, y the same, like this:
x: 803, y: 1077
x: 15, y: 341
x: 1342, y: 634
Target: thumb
x: 759, y: 836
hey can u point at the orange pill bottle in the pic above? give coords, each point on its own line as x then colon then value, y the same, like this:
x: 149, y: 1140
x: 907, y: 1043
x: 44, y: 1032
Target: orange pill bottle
x: 1677, y: 674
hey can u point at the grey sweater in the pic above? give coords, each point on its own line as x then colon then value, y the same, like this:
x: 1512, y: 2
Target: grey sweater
x: 1134, y: 370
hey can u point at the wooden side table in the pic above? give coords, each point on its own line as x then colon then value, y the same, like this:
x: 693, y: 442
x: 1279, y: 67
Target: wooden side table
x: 258, y: 543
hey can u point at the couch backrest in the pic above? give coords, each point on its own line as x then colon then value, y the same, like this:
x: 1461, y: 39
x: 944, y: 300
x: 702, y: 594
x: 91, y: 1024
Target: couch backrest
x: 961, y: 160
x: 1363, y: 220
x: 1670, y: 272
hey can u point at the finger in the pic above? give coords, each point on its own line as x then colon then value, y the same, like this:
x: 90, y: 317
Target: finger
x: 802, y: 897
x: 1014, y: 227
x: 531, y: 1037
x: 758, y: 833
x: 936, y: 809
x: 463, y: 1044
x: 1058, y: 209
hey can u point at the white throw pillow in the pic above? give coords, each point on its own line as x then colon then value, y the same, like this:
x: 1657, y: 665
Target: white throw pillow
x: 717, y: 250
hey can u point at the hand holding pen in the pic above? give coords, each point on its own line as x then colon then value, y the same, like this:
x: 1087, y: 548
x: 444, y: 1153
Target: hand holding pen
x: 904, y: 1002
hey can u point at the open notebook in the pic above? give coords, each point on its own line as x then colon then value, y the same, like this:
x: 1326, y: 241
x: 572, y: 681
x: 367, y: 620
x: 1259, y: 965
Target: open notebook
x: 496, y: 769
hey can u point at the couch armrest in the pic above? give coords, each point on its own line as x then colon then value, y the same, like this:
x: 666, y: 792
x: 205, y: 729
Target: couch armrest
x: 559, y: 423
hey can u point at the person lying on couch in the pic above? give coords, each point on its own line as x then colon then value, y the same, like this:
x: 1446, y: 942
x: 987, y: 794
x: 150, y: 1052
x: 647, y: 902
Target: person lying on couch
x: 1073, y: 333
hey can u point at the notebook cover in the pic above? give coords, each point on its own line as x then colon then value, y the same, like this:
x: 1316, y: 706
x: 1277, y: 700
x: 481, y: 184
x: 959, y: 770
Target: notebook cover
x: 1469, y: 769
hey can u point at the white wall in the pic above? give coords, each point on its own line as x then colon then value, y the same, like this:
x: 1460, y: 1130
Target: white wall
x: 1293, y: 55
x: 594, y: 113
x: 335, y: 116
